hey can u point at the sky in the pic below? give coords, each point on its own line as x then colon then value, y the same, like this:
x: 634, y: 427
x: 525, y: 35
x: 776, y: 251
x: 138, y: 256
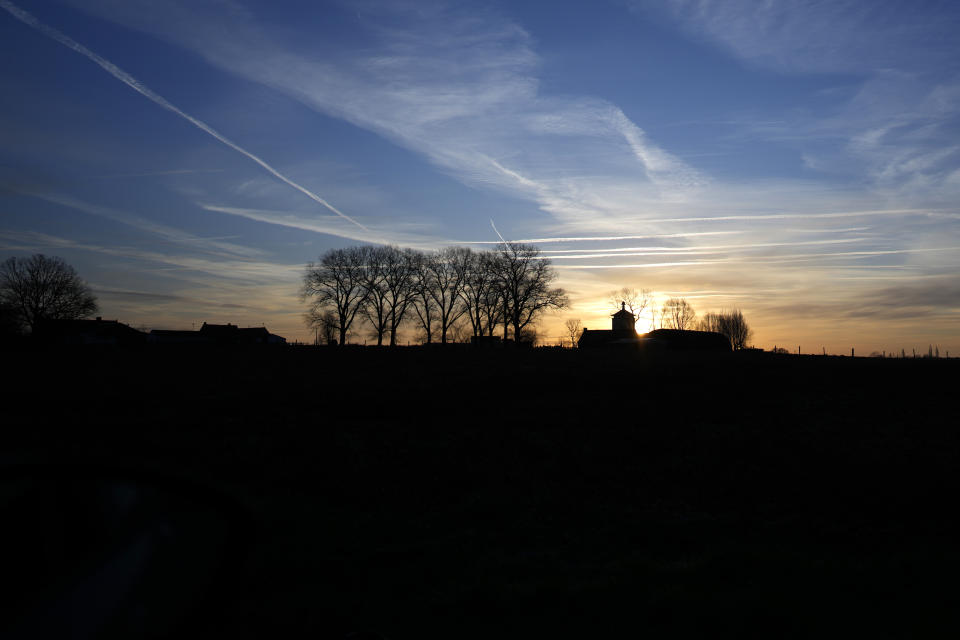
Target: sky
x: 797, y: 160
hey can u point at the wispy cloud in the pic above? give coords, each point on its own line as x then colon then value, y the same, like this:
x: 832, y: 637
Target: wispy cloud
x: 330, y: 226
x: 693, y: 248
x: 140, y: 297
x: 836, y: 36
x: 148, y: 93
x: 549, y: 240
x: 234, y: 271
x: 168, y: 172
x: 460, y: 88
x: 155, y: 229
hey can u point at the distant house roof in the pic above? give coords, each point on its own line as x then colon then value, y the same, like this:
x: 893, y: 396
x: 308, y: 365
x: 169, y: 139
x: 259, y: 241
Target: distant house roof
x: 217, y: 334
x: 675, y: 339
x: 605, y: 337
x: 97, y: 331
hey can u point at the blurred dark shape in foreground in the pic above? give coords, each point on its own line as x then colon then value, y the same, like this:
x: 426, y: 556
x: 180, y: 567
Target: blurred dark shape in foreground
x: 105, y: 552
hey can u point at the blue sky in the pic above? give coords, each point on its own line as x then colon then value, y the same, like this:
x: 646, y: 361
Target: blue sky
x: 797, y: 160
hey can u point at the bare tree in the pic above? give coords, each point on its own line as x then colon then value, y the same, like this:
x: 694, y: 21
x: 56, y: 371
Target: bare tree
x: 730, y: 324
x: 737, y: 329
x: 445, y: 274
x: 459, y: 331
x: 328, y: 327
x: 710, y: 322
x: 39, y: 288
x: 574, y: 328
x: 679, y: 314
x: 398, y: 278
x: 336, y: 283
x: 494, y: 302
x: 480, y: 292
x: 525, y: 277
x: 375, y: 306
x: 423, y: 306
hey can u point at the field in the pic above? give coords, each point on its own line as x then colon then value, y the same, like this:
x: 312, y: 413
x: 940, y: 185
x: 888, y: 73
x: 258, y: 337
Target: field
x: 472, y: 494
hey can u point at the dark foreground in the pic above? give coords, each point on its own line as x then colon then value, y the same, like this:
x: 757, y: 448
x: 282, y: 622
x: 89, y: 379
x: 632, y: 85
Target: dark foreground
x: 459, y: 494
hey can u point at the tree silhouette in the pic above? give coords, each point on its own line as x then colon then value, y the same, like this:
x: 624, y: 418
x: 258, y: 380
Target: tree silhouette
x: 41, y: 288
x: 424, y: 307
x: 374, y: 307
x: 730, y: 324
x: 679, y: 314
x: 336, y: 284
x: 481, y: 292
x: 525, y: 277
x: 388, y: 277
x: 509, y: 286
x: 445, y: 274
x: 574, y: 328
x: 327, y: 327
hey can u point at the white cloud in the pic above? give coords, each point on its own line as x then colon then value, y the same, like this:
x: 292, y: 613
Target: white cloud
x: 329, y: 225
x: 460, y: 88
x: 156, y: 230
x: 814, y: 36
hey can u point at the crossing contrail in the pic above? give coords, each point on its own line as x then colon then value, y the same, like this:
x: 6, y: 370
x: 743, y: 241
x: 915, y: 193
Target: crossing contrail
x: 148, y: 93
x: 505, y: 243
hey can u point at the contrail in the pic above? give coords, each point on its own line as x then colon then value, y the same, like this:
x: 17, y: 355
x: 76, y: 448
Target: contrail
x: 505, y: 243
x: 608, y: 238
x: 148, y: 93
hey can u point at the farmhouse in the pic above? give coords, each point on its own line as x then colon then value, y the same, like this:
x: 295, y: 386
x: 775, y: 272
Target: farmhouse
x: 622, y: 332
x: 219, y: 334
x: 76, y: 332
x: 675, y: 340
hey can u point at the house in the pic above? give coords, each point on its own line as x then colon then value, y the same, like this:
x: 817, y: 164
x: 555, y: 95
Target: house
x: 217, y: 334
x: 98, y: 331
x: 232, y: 334
x: 676, y: 340
x: 621, y: 333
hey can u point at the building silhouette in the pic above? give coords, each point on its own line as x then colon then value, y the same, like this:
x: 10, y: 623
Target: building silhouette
x: 87, y: 332
x: 622, y: 331
x: 623, y: 334
x: 216, y: 334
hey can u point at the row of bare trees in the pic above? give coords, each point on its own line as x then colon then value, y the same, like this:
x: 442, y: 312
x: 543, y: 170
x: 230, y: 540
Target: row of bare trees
x: 505, y: 289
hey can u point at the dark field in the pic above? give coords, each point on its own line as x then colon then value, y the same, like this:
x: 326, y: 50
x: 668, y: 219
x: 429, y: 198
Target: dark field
x: 476, y: 494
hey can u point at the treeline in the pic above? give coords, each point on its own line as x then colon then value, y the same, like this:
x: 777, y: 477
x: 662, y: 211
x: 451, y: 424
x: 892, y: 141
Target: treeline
x: 502, y: 291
